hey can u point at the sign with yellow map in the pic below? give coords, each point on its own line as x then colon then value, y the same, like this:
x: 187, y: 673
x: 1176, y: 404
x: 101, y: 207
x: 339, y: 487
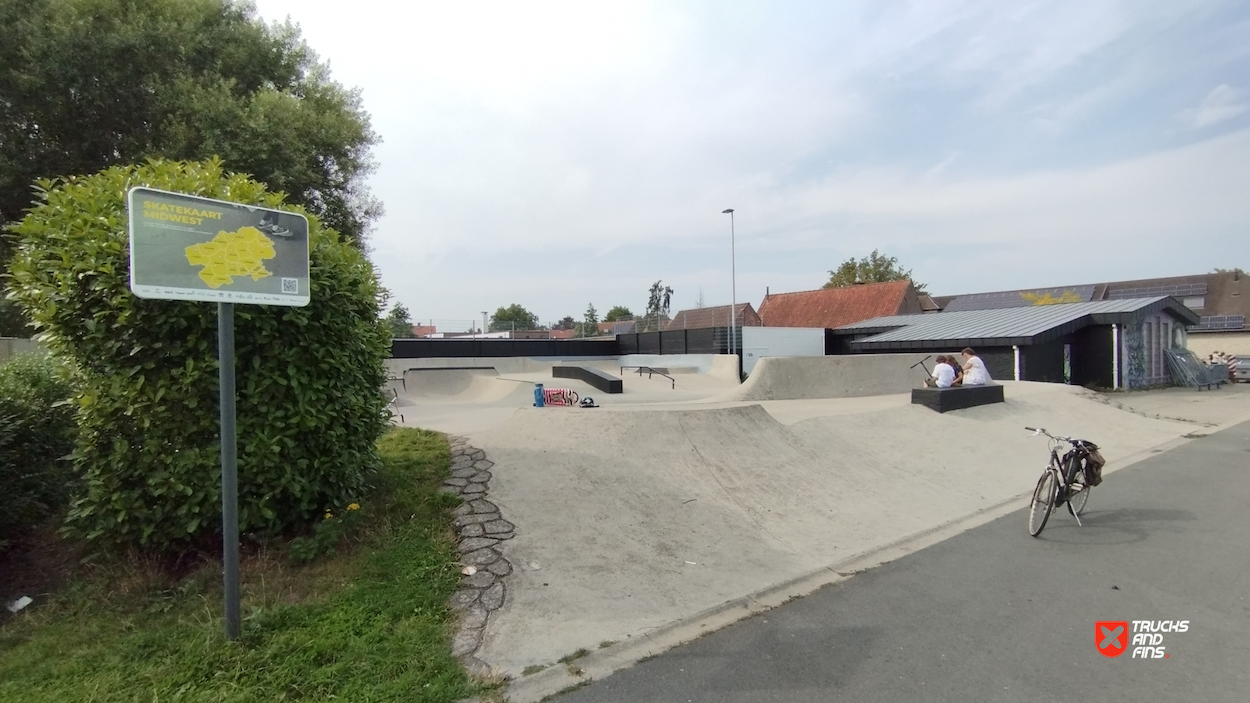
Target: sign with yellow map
x: 183, y: 247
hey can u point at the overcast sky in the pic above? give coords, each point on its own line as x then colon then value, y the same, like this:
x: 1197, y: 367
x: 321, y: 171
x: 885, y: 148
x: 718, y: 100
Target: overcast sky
x: 559, y: 154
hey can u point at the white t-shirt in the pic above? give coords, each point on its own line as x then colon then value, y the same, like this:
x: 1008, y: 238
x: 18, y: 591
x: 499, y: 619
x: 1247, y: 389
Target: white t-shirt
x: 944, y: 374
x: 977, y: 375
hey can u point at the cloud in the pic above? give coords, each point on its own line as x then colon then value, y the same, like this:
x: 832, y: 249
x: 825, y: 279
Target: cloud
x: 1223, y: 103
x: 559, y: 153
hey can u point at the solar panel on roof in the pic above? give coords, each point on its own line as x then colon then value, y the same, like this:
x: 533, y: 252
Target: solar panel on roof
x: 1177, y: 291
x: 1222, y: 322
x: 1021, y: 298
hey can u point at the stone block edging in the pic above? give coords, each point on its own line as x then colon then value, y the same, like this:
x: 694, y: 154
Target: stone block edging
x: 480, y: 528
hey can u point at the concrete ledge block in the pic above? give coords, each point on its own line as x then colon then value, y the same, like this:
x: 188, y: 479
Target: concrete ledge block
x: 944, y: 399
x: 599, y: 379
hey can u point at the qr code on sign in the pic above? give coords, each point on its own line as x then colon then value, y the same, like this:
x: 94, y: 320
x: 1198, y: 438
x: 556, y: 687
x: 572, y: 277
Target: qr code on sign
x: 290, y: 285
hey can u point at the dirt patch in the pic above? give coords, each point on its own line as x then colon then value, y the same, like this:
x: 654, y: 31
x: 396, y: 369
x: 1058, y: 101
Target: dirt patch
x: 36, y: 565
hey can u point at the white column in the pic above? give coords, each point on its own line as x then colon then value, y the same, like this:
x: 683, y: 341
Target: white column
x: 1016, y: 349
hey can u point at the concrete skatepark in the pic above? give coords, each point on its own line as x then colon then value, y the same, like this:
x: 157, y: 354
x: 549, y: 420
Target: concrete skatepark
x: 669, y: 511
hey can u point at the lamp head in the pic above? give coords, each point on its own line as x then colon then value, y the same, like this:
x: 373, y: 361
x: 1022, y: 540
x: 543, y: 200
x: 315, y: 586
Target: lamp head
x: 726, y: 212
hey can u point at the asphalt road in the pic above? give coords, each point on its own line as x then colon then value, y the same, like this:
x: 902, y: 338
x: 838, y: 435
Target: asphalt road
x: 995, y: 615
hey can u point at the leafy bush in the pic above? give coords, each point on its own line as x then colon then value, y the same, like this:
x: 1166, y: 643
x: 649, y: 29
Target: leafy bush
x: 36, y: 432
x: 308, y: 379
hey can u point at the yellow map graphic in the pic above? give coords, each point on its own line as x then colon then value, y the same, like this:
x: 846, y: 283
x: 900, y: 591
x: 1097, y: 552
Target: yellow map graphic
x: 1048, y: 299
x: 232, y: 254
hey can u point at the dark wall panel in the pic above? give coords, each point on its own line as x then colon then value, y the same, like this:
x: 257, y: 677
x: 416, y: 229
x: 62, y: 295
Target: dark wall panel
x: 1043, y: 362
x: 468, y: 348
x: 1092, y: 362
x: 999, y: 361
x: 695, y: 341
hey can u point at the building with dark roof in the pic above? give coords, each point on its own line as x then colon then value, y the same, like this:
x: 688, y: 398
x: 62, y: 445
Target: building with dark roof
x: 1221, y: 299
x: 835, y: 307
x: 715, y: 316
x: 1107, y: 343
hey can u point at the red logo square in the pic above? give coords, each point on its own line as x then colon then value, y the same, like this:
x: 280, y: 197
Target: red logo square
x: 1111, y: 637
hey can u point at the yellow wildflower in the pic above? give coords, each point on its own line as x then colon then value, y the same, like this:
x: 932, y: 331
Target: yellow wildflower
x: 354, y: 506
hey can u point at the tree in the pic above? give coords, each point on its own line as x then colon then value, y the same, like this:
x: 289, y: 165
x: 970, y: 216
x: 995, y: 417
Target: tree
x: 399, y: 322
x: 565, y: 323
x: 874, y: 268
x: 86, y: 84
x: 147, y: 448
x: 658, y: 302
x: 589, y: 326
x: 513, y: 317
x: 618, y: 313
x: 698, y: 303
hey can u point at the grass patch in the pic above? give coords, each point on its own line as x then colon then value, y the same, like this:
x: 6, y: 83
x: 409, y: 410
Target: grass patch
x: 532, y: 669
x: 606, y: 643
x: 368, y: 624
x: 574, y: 656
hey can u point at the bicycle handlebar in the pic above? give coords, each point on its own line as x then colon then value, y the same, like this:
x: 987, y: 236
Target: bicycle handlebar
x: 1040, y: 430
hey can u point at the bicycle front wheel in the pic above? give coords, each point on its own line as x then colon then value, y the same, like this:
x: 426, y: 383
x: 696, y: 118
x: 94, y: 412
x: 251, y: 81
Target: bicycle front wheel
x: 1043, y: 501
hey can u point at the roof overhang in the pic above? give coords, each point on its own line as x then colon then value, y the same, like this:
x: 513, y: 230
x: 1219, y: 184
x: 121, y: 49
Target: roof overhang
x: 1129, y: 317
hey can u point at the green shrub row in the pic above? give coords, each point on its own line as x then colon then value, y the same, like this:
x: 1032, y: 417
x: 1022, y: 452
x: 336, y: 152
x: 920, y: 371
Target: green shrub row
x: 36, y: 433
x: 309, y: 404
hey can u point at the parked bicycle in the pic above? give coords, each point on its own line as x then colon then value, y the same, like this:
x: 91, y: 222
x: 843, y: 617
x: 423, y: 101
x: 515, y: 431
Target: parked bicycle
x: 1068, y: 479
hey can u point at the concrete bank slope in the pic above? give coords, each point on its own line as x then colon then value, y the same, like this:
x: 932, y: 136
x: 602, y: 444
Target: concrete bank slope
x: 845, y: 376
x: 632, y: 520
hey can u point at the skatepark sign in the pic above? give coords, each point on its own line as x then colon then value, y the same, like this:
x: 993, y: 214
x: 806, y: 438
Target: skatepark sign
x: 184, y: 247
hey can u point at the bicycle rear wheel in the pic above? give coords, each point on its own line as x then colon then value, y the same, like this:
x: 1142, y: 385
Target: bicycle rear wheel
x: 1043, y: 501
x: 1079, y: 499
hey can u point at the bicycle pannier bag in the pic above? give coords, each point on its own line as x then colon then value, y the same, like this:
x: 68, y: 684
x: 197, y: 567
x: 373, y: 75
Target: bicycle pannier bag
x: 1093, y: 465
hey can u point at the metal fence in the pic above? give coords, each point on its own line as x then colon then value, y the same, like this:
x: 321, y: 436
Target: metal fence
x: 709, y: 340
x: 1188, y: 371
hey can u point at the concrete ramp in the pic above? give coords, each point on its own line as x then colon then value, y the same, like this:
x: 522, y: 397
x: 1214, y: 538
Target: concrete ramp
x: 441, y: 382
x: 844, y: 376
x: 631, y: 520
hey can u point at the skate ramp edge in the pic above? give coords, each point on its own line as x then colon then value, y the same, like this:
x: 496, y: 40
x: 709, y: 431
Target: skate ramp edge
x: 442, y: 382
x: 844, y: 376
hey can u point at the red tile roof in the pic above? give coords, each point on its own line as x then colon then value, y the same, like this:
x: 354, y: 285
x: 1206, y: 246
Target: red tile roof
x: 835, y: 307
x: 716, y: 316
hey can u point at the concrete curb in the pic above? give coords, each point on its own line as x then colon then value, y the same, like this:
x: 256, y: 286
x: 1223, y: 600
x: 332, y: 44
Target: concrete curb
x: 560, y: 677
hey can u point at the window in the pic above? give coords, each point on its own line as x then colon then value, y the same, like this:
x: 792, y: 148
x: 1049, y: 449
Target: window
x: 1195, y: 302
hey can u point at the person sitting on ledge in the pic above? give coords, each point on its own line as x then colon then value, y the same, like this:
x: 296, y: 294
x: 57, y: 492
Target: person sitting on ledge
x: 943, y: 374
x: 959, y: 373
x: 975, y: 373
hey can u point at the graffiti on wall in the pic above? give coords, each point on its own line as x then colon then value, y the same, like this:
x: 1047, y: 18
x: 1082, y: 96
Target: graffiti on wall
x: 1045, y: 298
x: 1134, y: 357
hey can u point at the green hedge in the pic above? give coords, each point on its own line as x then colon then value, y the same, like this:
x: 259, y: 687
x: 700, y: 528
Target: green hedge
x: 36, y: 433
x: 309, y: 403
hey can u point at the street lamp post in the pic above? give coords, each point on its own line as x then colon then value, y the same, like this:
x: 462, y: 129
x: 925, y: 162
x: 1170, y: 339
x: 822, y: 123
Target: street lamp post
x: 733, y: 285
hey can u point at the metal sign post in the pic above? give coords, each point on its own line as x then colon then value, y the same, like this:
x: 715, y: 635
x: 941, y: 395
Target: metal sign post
x: 184, y: 247
x: 229, y: 468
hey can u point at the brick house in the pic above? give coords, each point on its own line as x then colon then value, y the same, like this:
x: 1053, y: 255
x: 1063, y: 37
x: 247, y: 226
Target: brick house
x: 831, y: 308
x: 716, y: 316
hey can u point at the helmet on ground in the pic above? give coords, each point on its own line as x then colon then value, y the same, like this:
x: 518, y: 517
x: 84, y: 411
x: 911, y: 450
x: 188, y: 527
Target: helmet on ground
x: 588, y: 402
